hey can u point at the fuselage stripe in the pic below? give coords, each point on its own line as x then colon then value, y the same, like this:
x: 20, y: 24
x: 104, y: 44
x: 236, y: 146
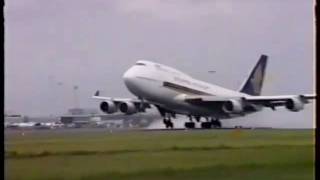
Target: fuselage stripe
x: 183, y: 89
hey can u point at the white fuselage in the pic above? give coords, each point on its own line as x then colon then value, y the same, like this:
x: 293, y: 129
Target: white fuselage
x: 165, y: 86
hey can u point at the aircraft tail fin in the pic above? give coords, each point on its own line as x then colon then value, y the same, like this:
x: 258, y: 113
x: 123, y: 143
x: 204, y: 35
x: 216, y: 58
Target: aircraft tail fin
x: 253, y: 84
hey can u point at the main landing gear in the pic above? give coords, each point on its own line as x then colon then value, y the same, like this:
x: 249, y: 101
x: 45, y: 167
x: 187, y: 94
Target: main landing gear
x: 167, y: 120
x: 190, y: 125
x: 208, y: 124
x: 215, y: 123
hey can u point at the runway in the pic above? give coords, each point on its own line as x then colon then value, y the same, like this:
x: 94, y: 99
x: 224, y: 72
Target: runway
x: 78, y: 131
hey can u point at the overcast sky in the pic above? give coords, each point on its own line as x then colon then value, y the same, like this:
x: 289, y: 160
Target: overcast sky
x: 52, y: 45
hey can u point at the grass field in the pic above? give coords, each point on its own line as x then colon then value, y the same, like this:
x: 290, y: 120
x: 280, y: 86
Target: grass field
x: 216, y: 154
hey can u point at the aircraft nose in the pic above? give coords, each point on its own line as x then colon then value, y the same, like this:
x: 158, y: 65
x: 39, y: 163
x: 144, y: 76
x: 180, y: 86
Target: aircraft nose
x: 130, y: 81
x: 128, y: 76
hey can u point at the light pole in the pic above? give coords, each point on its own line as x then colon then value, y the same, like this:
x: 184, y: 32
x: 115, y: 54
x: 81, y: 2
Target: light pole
x: 75, y: 88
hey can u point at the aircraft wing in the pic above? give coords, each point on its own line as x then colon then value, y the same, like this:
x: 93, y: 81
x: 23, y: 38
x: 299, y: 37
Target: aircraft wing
x: 115, y: 99
x: 267, y: 101
x: 119, y: 100
x: 258, y: 99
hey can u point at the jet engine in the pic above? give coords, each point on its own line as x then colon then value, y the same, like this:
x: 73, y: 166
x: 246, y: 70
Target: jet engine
x: 127, y: 108
x: 295, y: 104
x: 108, y: 107
x: 232, y: 106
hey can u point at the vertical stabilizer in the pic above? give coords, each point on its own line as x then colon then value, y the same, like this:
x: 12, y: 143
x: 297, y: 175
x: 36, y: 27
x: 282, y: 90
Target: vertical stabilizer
x: 253, y: 84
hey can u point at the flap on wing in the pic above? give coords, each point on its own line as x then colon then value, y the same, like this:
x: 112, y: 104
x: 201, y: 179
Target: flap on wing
x: 278, y: 98
x: 268, y: 98
x: 263, y: 100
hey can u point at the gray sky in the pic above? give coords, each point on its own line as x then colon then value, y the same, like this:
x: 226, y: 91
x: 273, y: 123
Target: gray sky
x: 52, y: 45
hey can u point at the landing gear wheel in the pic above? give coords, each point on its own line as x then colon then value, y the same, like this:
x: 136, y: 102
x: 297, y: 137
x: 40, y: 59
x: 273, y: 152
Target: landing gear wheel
x: 206, y: 125
x: 168, y: 123
x: 216, y: 123
x: 165, y: 122
x: 189, y: 125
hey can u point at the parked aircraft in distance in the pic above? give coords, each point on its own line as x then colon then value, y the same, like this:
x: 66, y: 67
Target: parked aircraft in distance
x: 12, y: 115
x: 173, y: 92
x: 21, y: 125
x: 31, y: 125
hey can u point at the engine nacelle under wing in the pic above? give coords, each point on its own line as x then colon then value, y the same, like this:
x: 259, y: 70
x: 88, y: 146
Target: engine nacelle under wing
x: 108, y: 107
x: 295, y: 104
x: 128, y: 108
x: 233, y: 106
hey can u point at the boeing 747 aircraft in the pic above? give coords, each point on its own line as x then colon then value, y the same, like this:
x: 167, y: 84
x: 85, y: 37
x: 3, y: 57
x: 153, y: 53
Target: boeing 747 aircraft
x: 173, y: 92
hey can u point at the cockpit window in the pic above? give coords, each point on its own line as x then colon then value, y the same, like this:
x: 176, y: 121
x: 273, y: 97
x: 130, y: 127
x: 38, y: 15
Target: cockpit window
x: 140, y: 64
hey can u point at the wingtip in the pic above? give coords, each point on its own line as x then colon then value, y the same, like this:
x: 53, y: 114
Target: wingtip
x: 97, y: 93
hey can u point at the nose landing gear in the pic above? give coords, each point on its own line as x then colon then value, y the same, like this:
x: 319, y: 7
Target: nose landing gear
x: 168, y: 123
x: 166, y: 114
